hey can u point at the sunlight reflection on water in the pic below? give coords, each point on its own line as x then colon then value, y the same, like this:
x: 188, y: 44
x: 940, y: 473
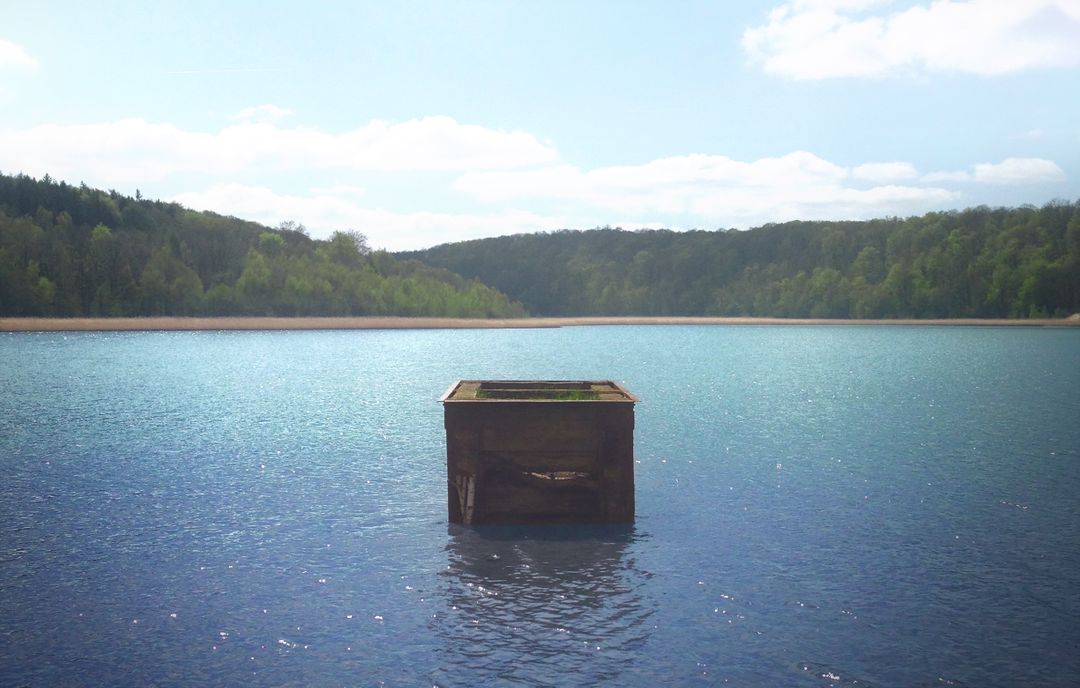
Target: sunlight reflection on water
x: 892, y: 506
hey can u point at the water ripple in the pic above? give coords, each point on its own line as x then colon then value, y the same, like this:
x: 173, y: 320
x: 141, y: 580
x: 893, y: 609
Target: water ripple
x: 886, y: 506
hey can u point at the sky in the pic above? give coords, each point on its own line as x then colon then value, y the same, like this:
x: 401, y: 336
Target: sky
x: 420, y: 123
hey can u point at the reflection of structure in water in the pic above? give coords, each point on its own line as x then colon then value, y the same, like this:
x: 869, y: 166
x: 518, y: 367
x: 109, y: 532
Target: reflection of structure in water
x: 531, y: 604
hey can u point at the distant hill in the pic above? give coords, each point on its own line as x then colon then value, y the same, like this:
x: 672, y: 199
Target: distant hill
x: 980, y: 262
x: 76, y: 251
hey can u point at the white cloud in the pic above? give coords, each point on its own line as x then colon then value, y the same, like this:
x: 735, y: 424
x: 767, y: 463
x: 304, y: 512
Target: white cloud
x: 840, y: 5
x: 716, y: 190
x: 340, y: 190
x: 884, y: 172
x: 819, y: 40
x: 263, y: 113
x: 323, y: 213
x: 1011, y: 171
x: 529, y: 189
x: 946, y: 176
x: 661, y: 182
x: 1019, y: 171
x: 13, y: 55
x: 134, y: 150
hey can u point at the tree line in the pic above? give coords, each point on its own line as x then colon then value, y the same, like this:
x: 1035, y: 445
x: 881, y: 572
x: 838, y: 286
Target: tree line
x: 76, y: 251
x: 981, y: 262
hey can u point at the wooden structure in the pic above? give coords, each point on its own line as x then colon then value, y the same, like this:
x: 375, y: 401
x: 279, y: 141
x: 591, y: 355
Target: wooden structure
x: 539, y: 452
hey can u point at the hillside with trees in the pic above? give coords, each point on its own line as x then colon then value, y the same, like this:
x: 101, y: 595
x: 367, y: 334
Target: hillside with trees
x: 981, y: 262
x: 76, y: 251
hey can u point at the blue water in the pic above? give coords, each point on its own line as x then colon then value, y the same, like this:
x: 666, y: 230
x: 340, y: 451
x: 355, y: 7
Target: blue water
x: 850, y: 506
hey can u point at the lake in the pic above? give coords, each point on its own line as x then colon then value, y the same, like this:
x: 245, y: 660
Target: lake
x: 816, y: 506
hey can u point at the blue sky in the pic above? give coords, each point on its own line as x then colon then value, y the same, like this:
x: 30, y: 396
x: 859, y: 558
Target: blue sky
x: 419, y: 123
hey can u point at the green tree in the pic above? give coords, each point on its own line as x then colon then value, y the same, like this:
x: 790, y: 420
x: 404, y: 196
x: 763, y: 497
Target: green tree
x: 348, y: 248
x: 254, y: 284
x: 271, y: 244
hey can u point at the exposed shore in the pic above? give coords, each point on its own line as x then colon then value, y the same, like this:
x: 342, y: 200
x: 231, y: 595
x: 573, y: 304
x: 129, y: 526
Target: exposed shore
x: 394, y: 323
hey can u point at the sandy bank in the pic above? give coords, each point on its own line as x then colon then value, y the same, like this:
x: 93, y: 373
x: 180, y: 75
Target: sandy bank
x: 378, y: 323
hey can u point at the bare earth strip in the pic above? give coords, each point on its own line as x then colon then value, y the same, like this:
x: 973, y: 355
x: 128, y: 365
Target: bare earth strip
x: 388, y: 323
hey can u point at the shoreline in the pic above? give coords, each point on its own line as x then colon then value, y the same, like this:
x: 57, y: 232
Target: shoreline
x: 198, y: 324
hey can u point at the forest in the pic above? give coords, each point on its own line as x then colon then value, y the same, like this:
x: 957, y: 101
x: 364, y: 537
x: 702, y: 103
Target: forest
x: 76, y: 251
x: 981, y: 262
x: 69, y: 251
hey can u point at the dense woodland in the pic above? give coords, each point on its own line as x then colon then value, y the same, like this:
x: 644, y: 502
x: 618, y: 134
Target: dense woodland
x: 75, y: 251
x: 981, y: 262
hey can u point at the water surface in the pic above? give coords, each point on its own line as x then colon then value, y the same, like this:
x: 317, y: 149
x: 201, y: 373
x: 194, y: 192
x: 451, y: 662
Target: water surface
x: 816, y: 506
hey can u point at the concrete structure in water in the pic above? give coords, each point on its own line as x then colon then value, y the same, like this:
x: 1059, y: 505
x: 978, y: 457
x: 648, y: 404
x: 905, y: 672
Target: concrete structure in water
x: 539, y: 452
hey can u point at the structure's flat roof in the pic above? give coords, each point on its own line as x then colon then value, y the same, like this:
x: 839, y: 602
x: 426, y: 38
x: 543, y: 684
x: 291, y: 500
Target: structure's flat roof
x: 484, y: 391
